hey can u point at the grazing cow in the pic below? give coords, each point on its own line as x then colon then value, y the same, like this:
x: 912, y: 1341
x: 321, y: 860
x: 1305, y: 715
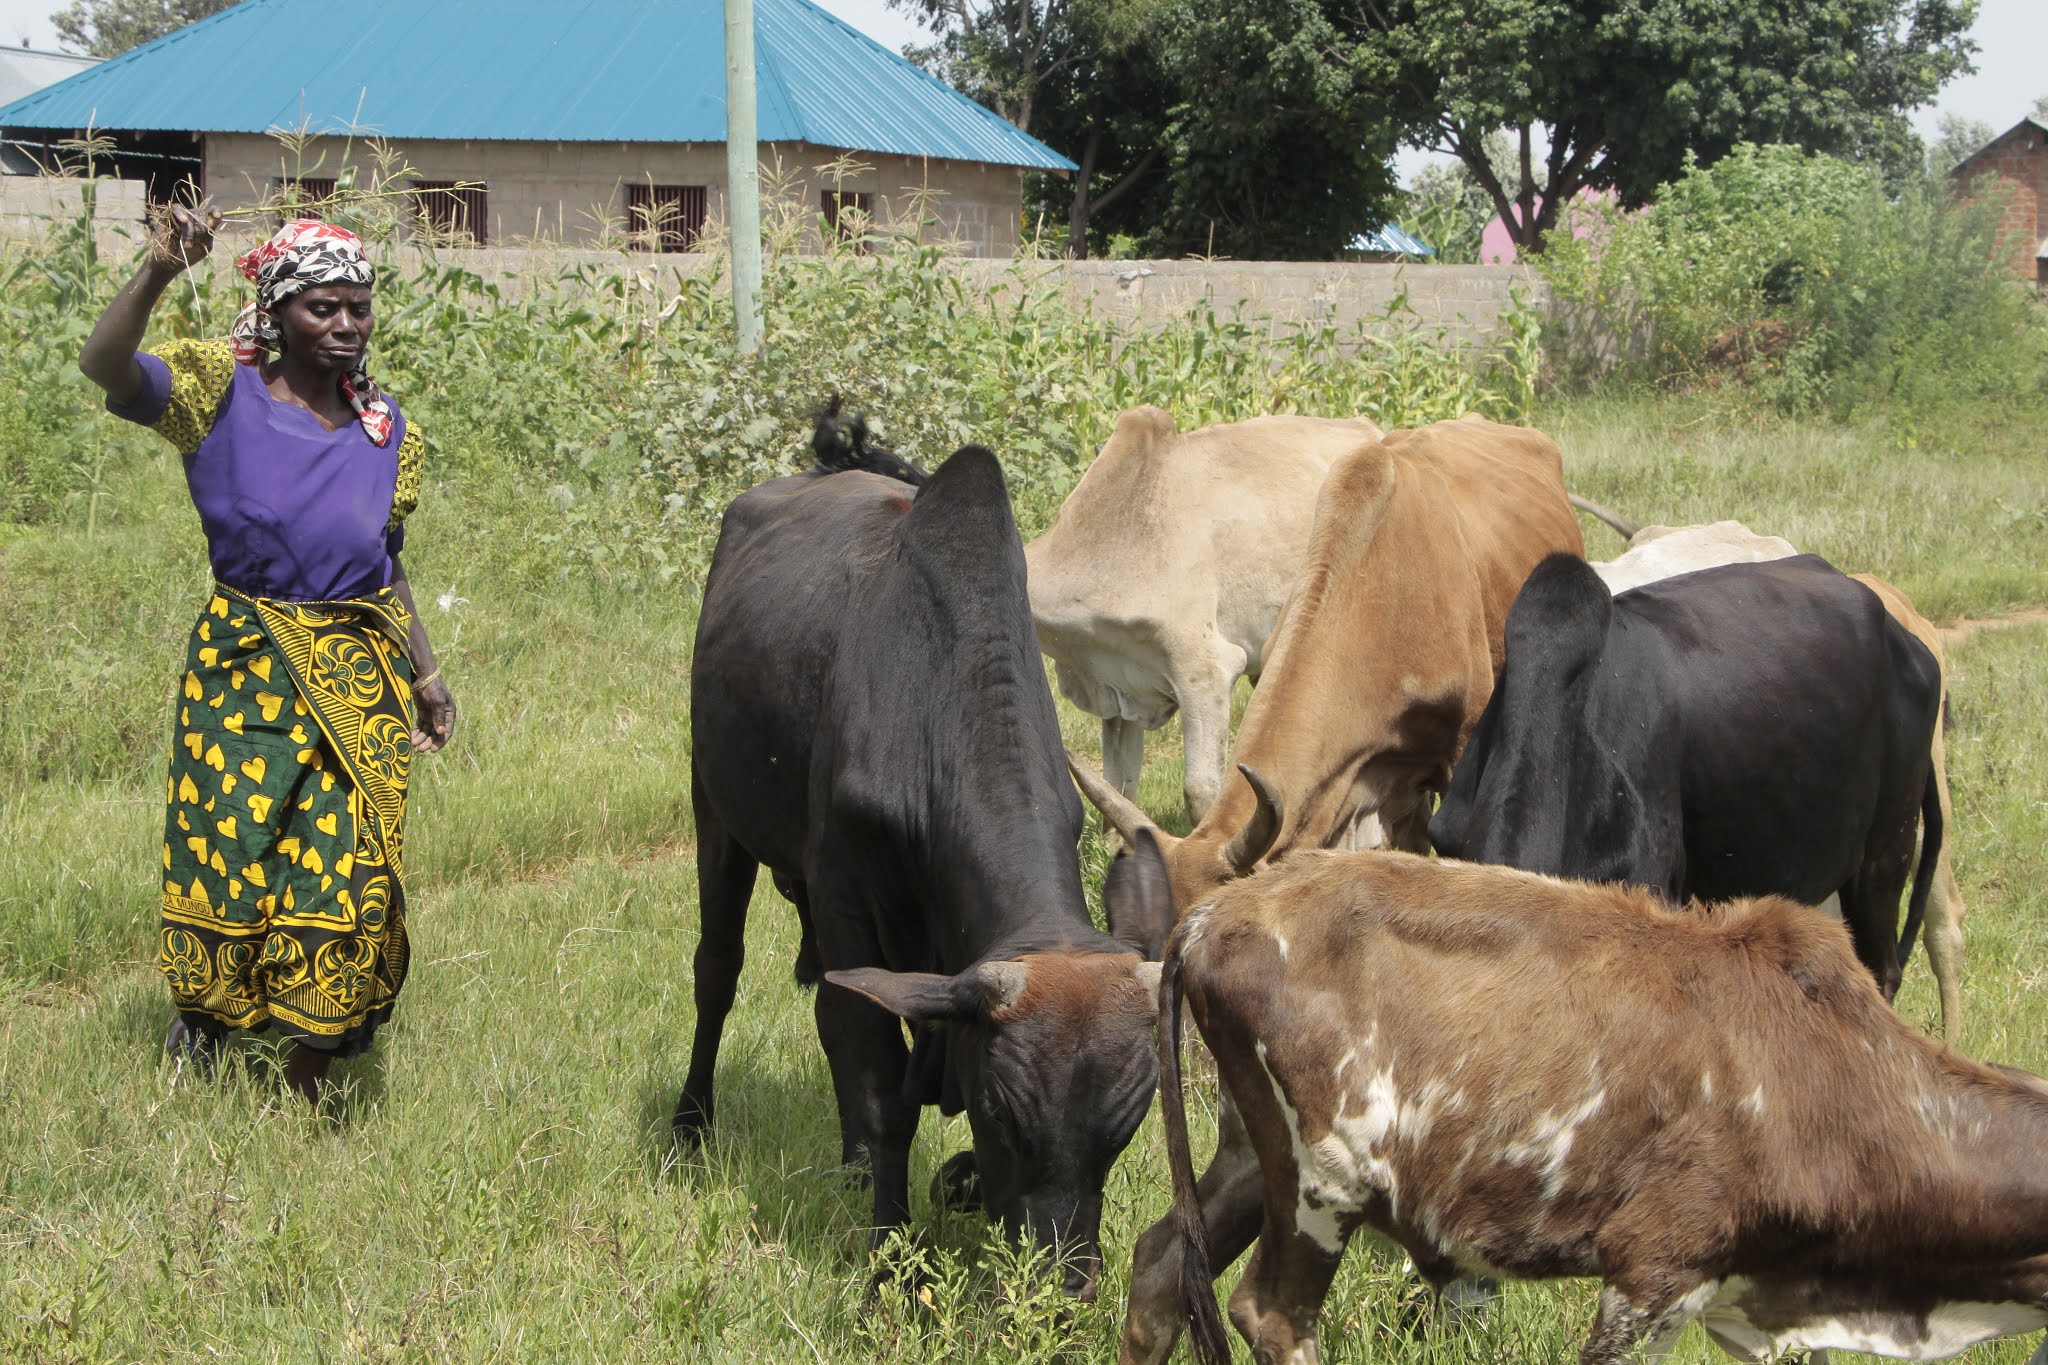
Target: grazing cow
x: 1159, y: 584
x: 869, y: 717
x: 1658, y: 552
x: 1711, y: 1110
x: 1746, y: 730
x: 1386, y: 651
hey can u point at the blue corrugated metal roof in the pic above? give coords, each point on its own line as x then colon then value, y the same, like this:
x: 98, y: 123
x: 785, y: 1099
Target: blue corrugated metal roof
x: 528, y: 70
x: 1391, y: 240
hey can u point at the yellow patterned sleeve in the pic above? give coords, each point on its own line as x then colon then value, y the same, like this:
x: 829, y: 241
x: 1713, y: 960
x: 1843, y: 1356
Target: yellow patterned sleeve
x: 412, y: 459
x: 200, y: 374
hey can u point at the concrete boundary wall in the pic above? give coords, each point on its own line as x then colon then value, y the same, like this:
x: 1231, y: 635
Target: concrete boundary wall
x: 1464, y: 303
x: 28, y: 203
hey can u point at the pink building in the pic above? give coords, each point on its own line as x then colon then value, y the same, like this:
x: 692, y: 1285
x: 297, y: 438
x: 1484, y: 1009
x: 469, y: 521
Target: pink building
x: 1496, y: 247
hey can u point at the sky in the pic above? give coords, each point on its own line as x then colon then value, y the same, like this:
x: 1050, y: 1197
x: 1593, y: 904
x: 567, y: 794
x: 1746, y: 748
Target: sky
x: 2012, y: 65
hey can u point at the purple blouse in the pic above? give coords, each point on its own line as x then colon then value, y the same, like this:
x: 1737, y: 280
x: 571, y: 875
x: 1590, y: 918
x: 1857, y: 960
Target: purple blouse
x: 291, y: 510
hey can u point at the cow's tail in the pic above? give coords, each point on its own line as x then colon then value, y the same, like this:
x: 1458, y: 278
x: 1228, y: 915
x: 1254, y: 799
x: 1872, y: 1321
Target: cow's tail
x: 1197, y: 1281
x: 841, y: 443
x: 1923, y: 876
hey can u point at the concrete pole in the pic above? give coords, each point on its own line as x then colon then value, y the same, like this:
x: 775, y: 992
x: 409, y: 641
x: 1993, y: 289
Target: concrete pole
x: 743, y: 173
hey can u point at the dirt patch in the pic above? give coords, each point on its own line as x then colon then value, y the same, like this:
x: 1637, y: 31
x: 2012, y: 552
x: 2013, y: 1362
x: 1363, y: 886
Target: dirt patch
x: 1959, y: 631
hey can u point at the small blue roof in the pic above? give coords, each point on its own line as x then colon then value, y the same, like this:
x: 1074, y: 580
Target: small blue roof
x: 528, y: 70
x: 1390, y: 240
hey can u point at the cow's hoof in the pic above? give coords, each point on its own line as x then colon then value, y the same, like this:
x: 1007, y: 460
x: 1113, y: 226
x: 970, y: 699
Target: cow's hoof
x: 899, y: 1267
x: 957, y: 1185
x: 691, y: 1122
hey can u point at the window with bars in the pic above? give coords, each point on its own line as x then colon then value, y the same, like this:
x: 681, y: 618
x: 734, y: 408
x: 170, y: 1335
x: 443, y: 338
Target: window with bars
x: 452, y: 210
x: 847, y: 212
x: 665, y: 217
x: 301, y: 196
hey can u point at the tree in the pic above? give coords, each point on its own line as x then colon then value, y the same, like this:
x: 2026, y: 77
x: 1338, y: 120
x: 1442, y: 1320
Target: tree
x: 1233, y: 126
x: 1615, y: 93
x: 996, y: 52
x: 1956, y: 139
x: 1449, y: 210
x: 1280, y: 143
x: 1107, y: 112
x: 107, y: 28
x: 1077, y: 74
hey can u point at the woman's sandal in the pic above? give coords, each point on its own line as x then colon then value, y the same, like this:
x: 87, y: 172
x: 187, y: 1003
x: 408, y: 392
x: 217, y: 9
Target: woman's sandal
x: 193, y: 1047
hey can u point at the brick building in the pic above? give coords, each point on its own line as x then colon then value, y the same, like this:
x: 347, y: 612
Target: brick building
x: 534, y: 120
x: 2018, y: 160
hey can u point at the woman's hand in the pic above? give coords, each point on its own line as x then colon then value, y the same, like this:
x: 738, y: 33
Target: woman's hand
x: 436, y: 708
x: 184, y: 236
x: 180, y: 237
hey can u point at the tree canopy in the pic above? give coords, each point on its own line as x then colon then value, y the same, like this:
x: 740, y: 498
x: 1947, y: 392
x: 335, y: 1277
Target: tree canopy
x: 1956, y: 140
x: 107, y: 28
x: 1240, y: 128
x: 1613, y: 94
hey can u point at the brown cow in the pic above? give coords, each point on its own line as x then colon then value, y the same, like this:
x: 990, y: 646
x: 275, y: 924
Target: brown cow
x: 1386, y: 652
x: 1713, y: 1110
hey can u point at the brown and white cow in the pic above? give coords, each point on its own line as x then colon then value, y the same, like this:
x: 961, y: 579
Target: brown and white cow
x: 1159, y: 583
x: 1712, y: 1110
x: 1659, y: 552
x: 1386, y: 652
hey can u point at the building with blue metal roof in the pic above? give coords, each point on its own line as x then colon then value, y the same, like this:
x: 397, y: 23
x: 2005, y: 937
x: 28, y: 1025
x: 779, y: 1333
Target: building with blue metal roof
x: 569, y: 114
x: 23, y: 71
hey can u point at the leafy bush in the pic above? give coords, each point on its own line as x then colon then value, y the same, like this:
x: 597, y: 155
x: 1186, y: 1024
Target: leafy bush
x: 1803, y: 274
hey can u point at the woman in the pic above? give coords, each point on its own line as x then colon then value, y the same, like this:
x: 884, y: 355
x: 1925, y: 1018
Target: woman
x: 308, y: 681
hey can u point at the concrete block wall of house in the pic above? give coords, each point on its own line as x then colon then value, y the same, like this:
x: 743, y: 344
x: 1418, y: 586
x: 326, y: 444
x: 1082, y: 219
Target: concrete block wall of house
x: 576, y: 193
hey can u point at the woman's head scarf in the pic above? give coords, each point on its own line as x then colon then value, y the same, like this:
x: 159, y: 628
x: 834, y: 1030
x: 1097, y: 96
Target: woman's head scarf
x: 305, y: 254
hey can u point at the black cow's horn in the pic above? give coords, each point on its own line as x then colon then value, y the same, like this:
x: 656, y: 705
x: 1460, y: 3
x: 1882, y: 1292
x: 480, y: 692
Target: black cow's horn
x: 1002, y: 984
x: 1255, y: 840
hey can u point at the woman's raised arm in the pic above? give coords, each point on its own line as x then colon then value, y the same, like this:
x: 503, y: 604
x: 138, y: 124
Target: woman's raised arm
x: 108, y: 356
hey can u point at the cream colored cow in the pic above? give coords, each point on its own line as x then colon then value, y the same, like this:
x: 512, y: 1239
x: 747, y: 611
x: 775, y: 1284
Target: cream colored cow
x: 1656, y: 552
x: 1164, y: 574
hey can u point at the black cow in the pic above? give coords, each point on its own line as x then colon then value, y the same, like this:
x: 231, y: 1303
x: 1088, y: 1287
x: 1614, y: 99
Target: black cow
x: 870, y: 719
x: 1746, y: 730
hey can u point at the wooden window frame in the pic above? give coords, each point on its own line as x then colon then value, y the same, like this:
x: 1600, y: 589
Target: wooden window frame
x: 451, y: 210
x: 314, y: 193
x: 665, y: 218
x: 832, y: 203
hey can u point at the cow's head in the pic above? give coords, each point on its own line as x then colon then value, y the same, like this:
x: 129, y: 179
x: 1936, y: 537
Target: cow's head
x: 1056, y: 1065
x: 1197, y: 865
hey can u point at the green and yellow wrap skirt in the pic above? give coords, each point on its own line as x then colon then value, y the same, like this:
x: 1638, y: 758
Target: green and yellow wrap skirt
x: 284, y: 830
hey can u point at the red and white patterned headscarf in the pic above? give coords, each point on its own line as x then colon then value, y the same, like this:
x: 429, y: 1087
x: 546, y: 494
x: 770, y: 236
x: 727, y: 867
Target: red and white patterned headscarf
x: 304, y: 254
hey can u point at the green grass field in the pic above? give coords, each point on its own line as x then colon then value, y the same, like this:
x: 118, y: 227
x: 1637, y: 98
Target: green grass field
x: 496, y: 1183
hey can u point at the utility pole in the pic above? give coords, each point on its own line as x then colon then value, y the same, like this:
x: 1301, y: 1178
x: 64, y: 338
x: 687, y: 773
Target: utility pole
x: 743, y: 173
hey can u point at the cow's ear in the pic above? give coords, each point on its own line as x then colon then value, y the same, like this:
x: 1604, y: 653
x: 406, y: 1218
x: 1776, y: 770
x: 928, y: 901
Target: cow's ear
x: 1138, y: 896
x: 920, y: 997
